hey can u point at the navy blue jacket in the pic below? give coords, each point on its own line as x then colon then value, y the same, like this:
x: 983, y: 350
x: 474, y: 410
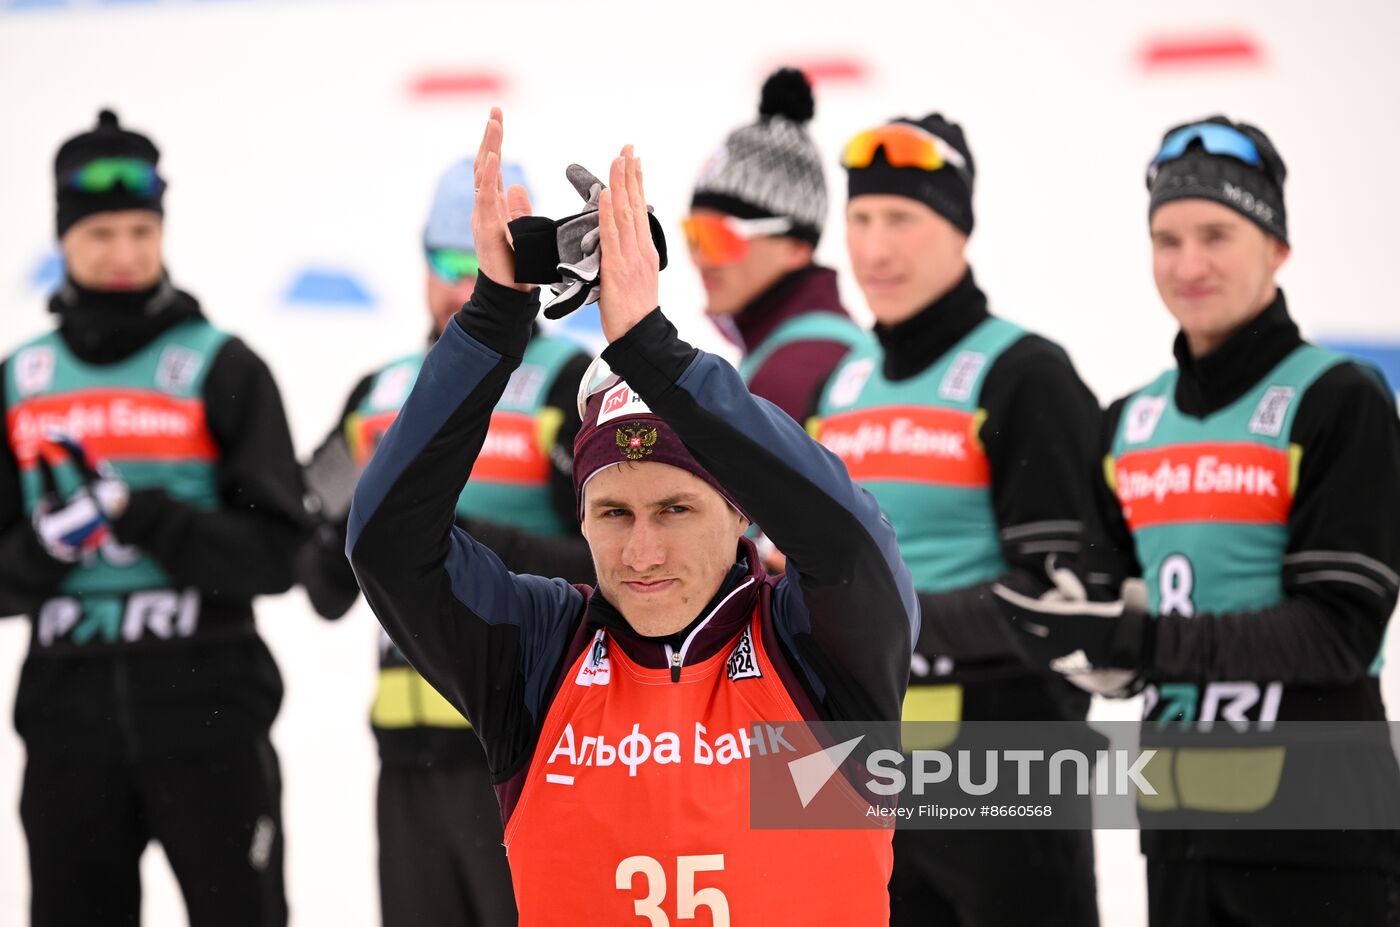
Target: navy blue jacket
x: 495, y: 643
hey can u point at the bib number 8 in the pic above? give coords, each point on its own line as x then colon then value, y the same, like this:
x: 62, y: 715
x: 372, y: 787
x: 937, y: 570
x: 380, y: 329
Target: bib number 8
x: 1175, y: 582
x: 688, y: 900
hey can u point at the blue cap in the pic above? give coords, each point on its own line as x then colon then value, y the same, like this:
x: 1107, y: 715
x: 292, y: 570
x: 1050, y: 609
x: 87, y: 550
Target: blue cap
x: 450, y: 218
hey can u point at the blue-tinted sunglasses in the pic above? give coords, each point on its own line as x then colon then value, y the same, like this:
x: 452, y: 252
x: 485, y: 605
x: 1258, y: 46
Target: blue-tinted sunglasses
x: 1216, y: 139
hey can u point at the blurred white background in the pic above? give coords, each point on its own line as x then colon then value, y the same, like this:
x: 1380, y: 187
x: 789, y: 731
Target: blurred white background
x: 306, y: 136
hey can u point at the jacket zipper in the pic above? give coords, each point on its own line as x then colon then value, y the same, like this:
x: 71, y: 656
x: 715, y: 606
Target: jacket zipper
x: 677, y: 657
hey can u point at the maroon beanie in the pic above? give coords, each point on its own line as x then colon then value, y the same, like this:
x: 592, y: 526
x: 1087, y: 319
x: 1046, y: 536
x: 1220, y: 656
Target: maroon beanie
x: 618, y: 426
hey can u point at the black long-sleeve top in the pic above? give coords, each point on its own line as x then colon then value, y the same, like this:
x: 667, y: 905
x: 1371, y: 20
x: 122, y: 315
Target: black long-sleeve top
x: 1339, y: 578
x: 1341, y: 567
x: 1040, y: 435
x: 182, y: 690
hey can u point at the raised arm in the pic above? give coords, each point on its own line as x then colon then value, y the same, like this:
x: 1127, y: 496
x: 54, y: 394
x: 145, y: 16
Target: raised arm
x: 847, y: 608
x: 490, y: 641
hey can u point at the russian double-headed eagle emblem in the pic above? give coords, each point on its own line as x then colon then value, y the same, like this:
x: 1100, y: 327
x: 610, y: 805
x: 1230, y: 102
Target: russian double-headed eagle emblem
x: 636, y: 441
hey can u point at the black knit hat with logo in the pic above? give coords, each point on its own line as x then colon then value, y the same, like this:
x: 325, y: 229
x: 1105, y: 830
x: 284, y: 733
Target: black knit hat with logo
x: 770, y: 168
x: 107, y: 140
x: 1255, y: 191
x: 947, y: 190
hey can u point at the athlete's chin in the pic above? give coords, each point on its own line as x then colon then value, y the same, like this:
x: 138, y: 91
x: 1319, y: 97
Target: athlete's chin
x: 1203, y: 311
x: 657, y: 612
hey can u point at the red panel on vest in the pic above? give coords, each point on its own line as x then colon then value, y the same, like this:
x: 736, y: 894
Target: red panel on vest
x: 511, y: 453
x: 637, y: 802
x: 1229, y: 482
x: 912, y: 444
x: 115, y: 424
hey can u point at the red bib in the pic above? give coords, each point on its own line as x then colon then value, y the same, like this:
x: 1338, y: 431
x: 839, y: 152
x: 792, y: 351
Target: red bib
x: 636, y: 806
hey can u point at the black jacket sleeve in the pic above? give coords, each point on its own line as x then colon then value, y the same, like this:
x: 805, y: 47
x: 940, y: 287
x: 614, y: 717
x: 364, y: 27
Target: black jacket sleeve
x: 1111, y: 556
x: 565, y: 556
x: 27, y: 573
x: 245, y: 547
x: 1040, y: 435
x: 1343, y: 556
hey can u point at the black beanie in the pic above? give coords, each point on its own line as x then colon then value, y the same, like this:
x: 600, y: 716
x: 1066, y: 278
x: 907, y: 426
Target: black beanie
x: 108, y: 140
x: 1253, y: 191
x: 770, y: 168
x: 947, y: 190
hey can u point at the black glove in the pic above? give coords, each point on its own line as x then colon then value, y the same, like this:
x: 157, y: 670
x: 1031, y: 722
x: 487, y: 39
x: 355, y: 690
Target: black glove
x: 564, y: 254
x: 1101, y: 647
x: 330, y: 478
x: 324, y: 572
x: 321, y: 566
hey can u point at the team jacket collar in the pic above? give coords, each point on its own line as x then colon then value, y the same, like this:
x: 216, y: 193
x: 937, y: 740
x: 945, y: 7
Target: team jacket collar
x: 1208, y: 384
x: 913, y: 345
x: 712, y: 629
x: 810, y: 289
x: 105, y: 327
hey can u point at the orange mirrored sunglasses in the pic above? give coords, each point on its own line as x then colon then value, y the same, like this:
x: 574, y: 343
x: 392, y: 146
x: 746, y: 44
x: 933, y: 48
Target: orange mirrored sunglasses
x: 905, y: 146
x: 720, y: 239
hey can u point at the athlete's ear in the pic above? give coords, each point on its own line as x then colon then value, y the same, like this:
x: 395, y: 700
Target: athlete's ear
x: 583, y: 515
x: 1278, y: 253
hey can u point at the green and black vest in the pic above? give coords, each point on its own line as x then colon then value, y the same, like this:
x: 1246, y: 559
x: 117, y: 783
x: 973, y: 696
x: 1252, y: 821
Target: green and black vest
x: 915, y: 445
x: 1208, y: 501
x: 145, y: 416
x: 509, y: 484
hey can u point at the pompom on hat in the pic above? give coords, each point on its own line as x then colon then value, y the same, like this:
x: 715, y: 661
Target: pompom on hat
x: 770, y: 168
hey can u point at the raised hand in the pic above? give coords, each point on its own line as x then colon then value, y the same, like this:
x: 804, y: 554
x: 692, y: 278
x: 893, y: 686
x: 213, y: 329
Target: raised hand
x: 495, y: 207
x: 631, y: 267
